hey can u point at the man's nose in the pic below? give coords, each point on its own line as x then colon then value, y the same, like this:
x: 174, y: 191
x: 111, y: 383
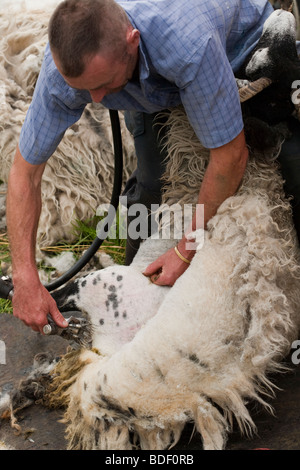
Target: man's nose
x: 98, y: 95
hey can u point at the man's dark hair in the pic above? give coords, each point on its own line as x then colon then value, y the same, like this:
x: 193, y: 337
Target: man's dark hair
x: 79, y: 29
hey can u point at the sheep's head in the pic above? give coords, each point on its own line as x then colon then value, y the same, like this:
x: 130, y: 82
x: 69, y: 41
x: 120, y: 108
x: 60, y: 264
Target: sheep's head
x: 266, y: 79
x: 275, y: 55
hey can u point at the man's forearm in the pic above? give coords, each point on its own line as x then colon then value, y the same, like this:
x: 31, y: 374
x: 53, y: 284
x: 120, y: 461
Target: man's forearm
x: 221, y: 180
x: 23, y: 211
x: 32, y: 303
x: 219, y: 183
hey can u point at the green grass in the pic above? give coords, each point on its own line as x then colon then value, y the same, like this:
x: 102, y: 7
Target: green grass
x: 85, y: 233
x: 5, y: 306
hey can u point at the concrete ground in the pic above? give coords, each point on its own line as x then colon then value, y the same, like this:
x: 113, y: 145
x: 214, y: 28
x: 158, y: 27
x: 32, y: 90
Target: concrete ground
x: 41, y: 429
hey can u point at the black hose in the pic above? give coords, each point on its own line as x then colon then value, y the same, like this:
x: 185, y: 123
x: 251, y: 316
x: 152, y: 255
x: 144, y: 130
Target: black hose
x: 114, y: 203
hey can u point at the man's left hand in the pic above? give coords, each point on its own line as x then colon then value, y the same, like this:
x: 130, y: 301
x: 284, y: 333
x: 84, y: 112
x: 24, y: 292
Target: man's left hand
x: 166, y: 269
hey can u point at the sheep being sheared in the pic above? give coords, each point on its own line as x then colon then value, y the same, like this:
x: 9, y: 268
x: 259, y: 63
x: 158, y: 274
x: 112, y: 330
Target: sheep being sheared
x: 215, y: 335
x: 199, y: 351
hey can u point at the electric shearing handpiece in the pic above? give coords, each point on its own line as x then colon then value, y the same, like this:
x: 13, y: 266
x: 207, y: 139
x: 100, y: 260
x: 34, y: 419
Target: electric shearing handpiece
x: 78, y: 330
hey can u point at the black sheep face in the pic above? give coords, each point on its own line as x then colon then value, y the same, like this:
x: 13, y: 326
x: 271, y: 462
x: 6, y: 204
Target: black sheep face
x: 275, y: 55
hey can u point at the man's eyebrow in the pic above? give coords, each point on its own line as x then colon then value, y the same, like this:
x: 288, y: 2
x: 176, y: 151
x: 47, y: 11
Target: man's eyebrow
x: 101, y: 86
x: 90, y: 89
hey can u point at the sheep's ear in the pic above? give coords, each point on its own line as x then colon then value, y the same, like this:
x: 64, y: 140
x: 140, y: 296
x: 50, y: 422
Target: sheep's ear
x: 286, y: 5
x: 249, y: 89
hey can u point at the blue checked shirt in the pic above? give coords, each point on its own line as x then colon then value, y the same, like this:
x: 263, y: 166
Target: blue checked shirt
x: 189, y: 51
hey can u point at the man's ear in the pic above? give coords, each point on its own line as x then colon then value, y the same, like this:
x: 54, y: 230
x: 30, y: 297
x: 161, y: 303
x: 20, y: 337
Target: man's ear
x: 133, y: 38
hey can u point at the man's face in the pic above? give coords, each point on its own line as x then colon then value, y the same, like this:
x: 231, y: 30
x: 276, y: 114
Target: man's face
x: 103, y: 75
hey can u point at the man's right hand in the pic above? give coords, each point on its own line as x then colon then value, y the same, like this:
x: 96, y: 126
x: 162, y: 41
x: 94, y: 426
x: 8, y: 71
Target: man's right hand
x: 32, y: 303
x: 31, y: 300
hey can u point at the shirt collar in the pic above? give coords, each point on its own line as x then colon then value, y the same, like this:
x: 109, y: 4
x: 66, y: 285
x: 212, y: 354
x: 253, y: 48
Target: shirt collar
x: 144, y: 69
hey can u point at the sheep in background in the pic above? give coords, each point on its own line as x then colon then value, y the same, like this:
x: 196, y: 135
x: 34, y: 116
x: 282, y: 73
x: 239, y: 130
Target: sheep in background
x: 79, y: 175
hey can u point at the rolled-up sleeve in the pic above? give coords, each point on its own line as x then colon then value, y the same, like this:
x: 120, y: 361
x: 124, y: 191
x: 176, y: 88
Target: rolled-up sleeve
x: 211, y: 98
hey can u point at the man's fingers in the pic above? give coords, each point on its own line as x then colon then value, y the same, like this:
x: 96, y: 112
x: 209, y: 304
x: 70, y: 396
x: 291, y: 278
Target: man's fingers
x: 58, y: 318
x: 152, y: 269
x: 33, y: 304
x: 162, y: 279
